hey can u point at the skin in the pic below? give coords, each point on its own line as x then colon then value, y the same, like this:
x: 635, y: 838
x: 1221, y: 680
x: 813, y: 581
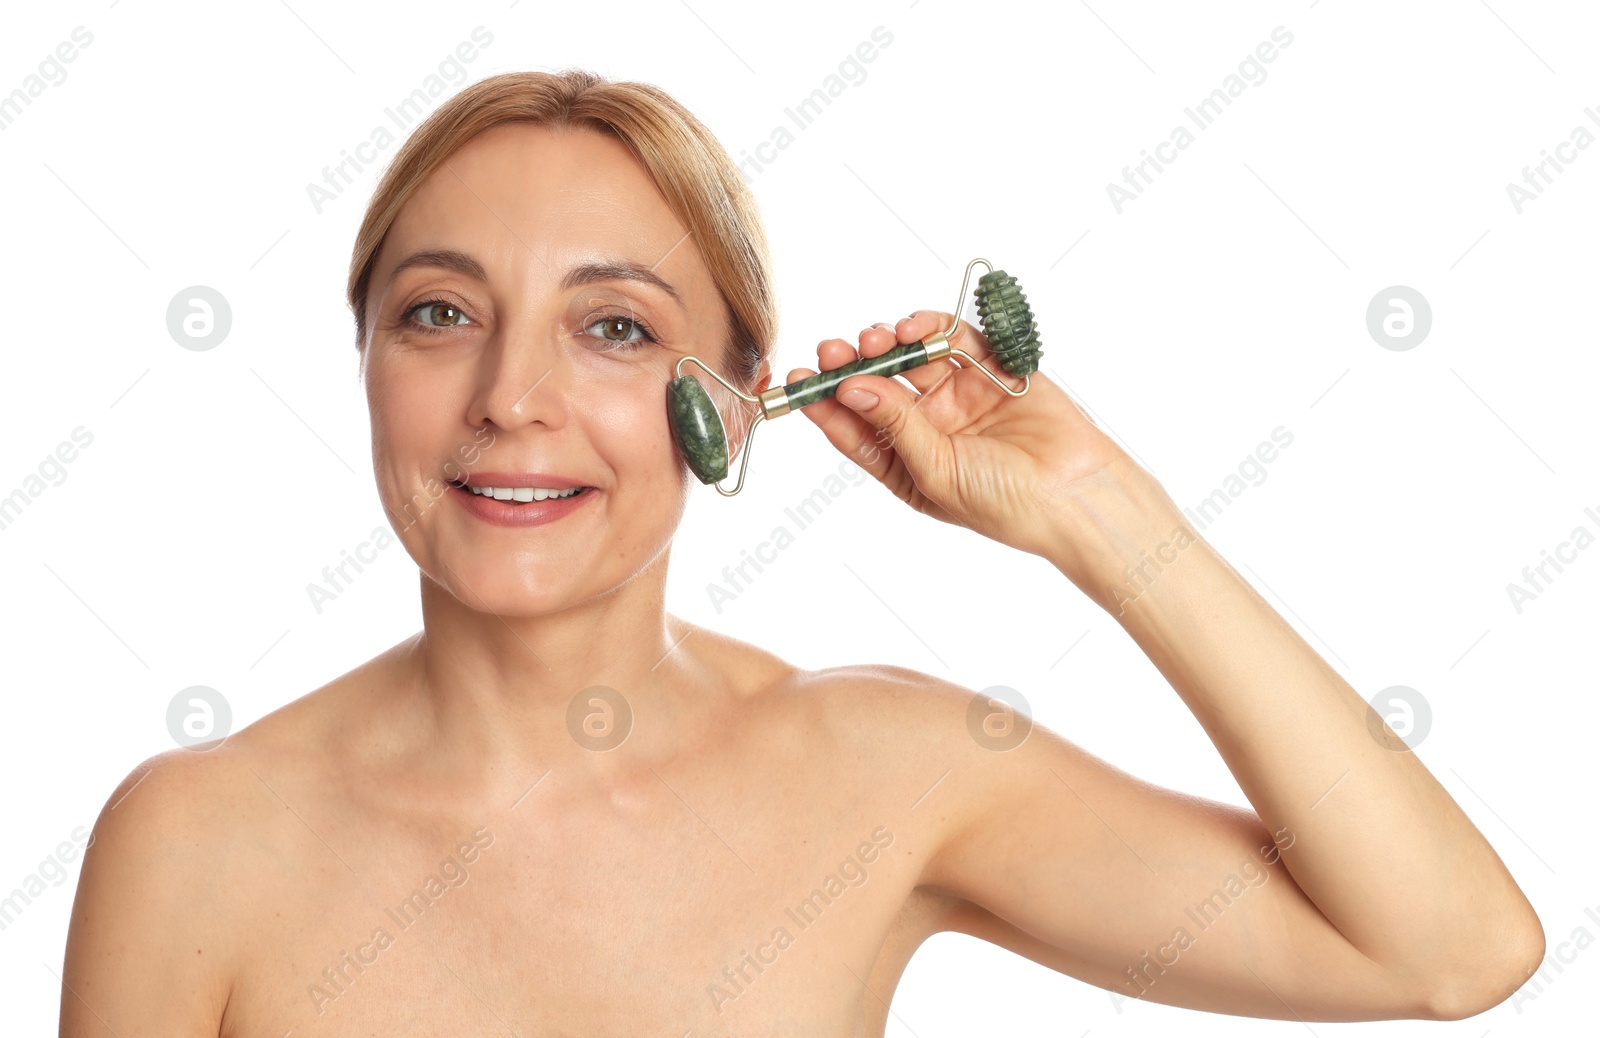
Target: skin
x: 599, y: 892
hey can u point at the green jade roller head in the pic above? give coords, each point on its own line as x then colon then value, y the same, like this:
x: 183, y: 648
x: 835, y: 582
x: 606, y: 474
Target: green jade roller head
x: 1008, y: 325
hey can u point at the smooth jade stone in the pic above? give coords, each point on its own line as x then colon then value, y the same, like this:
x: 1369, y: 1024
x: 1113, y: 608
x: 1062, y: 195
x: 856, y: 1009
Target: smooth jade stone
x: 698, y: 428
x: 824, y: 384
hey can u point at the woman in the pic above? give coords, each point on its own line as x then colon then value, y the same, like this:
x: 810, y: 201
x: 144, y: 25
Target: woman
x: 560, y: 809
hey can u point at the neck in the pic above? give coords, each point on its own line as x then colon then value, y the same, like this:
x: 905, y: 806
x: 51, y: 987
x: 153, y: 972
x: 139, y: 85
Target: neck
x: 494, y: 688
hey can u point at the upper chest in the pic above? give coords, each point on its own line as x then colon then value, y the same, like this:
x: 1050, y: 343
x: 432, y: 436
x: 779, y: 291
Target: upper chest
x: 718, y: 899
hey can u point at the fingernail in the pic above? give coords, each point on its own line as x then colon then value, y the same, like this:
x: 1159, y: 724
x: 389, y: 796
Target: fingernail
x: 858, y: 399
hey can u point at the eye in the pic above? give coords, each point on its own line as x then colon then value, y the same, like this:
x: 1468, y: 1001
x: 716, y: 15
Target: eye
x: 448, y: 313
x: 617, y: 329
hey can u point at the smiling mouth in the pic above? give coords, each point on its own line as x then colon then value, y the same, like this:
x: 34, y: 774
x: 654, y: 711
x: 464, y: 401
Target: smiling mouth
x: 521, y: 495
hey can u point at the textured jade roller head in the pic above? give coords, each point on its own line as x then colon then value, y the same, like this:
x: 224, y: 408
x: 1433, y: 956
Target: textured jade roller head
x: 1008, y: 325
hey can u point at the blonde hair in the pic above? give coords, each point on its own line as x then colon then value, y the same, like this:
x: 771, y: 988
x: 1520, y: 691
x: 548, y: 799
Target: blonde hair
x: 693, y: 172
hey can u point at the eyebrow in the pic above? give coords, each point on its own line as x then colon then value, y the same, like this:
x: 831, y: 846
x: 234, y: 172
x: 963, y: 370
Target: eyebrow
x: 612, y: 270
x: 617, y: 270
x: 450, y: 259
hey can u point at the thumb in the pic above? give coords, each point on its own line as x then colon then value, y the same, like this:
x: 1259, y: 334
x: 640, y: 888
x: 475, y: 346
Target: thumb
x: 891, y: 409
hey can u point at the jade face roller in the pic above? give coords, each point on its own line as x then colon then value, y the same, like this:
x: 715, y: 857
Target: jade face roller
x: 1008, y: 325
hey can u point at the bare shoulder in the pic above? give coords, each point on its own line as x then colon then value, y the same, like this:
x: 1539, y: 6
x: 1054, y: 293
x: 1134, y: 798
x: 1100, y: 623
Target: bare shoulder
x: 319, y: 723
x: 883, y: 702
x: 895, y: 722
x: 167, y: 894
x: 907, y: 734
x: 934, y: 755
x: 152, y: 940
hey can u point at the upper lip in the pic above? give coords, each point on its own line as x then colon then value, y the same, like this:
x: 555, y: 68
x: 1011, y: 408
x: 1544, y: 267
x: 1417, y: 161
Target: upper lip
x: 512, y: 480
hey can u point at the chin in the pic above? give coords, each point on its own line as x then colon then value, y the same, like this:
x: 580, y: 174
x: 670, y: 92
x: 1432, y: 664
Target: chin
x: 524, y: 589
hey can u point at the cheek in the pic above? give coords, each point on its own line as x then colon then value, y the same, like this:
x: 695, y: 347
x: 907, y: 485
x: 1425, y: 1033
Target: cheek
x: 397, y: 392
x: 629, y: 432
x: 630, y: 429
x: 411, y: 426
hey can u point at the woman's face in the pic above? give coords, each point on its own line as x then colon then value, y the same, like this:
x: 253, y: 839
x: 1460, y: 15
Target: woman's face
x: 512, y: 310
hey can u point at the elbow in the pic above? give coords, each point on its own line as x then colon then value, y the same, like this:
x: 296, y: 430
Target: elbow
x: 1504, y: 961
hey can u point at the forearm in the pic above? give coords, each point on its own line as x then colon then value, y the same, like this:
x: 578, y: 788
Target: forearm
x: 1378, y: 845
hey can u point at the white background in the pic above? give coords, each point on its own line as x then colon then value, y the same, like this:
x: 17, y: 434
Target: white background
x: 1227, y: 300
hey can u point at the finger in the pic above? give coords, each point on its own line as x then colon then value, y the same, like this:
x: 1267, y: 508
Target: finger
x: 924, y: 323
x: 976, y: 389
x: 967, y: 338
x: 921, y: 324
x: 854, y: 437
x: 902, y: 436
x: 881, y: 338
x: 876, y: 341
x: 833, y: 353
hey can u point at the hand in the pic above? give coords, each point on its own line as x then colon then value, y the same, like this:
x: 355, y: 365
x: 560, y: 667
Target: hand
x: 961, y: 450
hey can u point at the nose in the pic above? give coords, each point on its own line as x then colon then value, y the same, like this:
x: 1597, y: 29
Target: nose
x: 519, y: 382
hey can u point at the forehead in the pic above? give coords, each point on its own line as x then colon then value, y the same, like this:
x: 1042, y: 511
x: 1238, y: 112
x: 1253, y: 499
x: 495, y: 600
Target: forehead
x: 533, y: 200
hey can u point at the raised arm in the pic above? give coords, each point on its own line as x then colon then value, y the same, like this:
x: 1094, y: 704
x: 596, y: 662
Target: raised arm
x: 1388, y: 858
x: 1357, y: 889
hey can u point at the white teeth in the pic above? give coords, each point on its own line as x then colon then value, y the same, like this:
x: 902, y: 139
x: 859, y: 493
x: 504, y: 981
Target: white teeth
x: 522, y: 493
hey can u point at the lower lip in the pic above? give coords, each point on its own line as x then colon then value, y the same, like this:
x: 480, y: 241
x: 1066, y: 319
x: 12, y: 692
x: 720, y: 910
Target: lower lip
x: 531, y: 513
